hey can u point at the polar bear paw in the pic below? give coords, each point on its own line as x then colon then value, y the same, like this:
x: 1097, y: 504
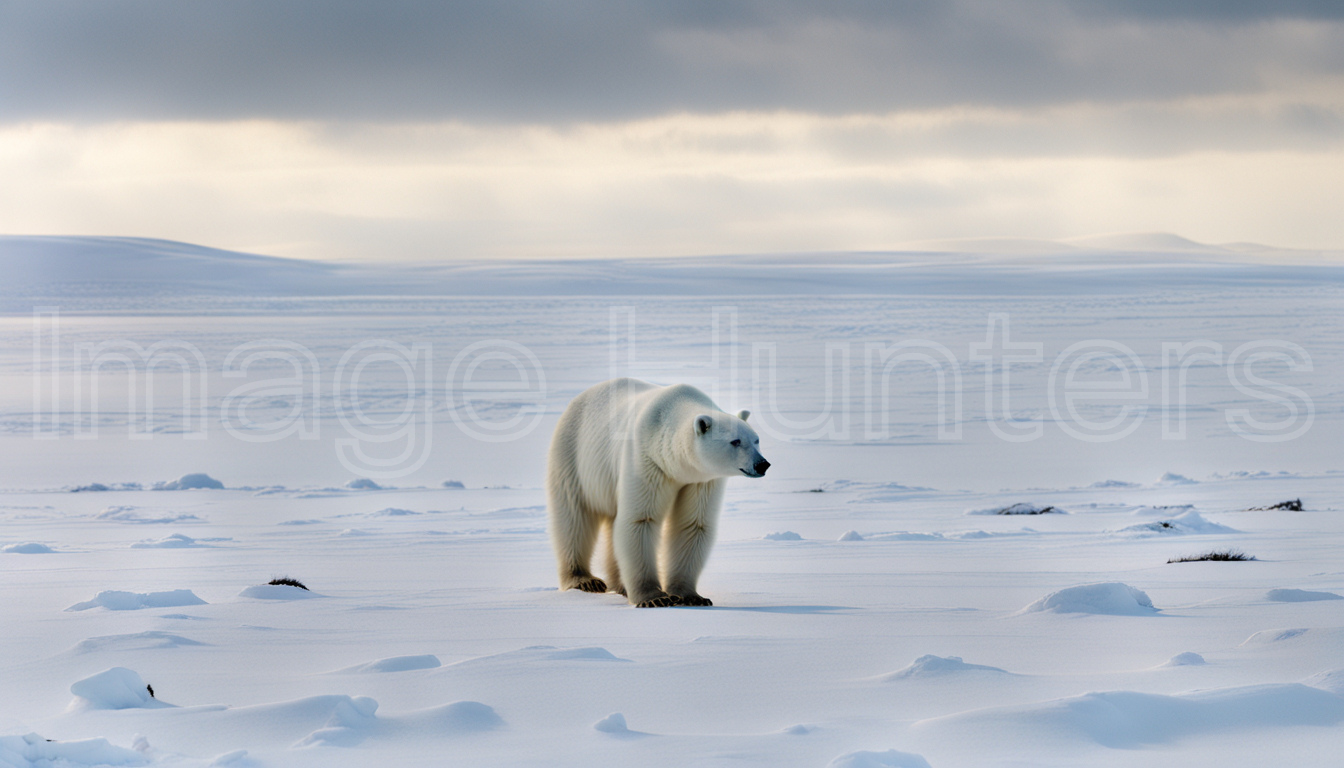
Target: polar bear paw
x: 590, y: 584
x: 659, y: 601
x: 695, y: 601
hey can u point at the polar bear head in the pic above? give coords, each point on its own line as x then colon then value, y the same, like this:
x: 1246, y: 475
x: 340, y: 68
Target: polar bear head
x: 726, y: 445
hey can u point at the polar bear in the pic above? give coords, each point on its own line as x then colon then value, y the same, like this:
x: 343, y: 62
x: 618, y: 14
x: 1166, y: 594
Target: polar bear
x: 643, y: 463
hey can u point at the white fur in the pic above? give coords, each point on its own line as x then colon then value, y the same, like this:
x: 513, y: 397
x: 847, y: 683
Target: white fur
x: 643, y: 463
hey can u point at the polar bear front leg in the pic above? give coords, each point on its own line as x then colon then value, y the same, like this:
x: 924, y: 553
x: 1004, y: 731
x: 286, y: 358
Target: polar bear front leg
x: 691, y: 528
x: 641, y: 507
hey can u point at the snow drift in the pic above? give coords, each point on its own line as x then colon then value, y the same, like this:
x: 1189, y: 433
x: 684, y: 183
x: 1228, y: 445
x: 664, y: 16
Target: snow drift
x: 115, y: 688
x: 114, y: 600
x: 1110, y: 598
x: 1131, y: 720
x: 938, y: 666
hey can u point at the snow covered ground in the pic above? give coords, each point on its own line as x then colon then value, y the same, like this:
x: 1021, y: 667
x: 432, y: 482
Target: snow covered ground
x: 917, y: 581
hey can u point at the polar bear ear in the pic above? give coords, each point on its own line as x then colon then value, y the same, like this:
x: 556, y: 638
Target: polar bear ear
x: 702, y: 424
x: 743, y: 415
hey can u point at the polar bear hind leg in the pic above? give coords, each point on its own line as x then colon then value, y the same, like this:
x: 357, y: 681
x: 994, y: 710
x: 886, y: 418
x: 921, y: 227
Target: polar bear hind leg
x: 614, y: 582
x: 574, y: 530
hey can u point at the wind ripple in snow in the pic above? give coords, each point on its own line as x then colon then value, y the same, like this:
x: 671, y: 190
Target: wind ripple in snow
x: 392, y: 664
x: 178, y: 541
x: 151, y: 640
x: 1299, y: 596
x: 544, y: 653
x: 124, y: 514
x: 1130, y: 720
x: 889, y: 759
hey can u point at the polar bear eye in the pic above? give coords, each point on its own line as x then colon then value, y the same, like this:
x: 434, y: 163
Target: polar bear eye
x: 736, y: 443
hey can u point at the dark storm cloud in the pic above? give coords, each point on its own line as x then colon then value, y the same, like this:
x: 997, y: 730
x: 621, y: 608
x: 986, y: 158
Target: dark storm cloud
x: 590, y: 59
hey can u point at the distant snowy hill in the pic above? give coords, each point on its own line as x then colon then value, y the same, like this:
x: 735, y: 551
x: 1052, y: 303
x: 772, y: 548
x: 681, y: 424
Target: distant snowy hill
x: 130, y: 271
x: 61, y: 266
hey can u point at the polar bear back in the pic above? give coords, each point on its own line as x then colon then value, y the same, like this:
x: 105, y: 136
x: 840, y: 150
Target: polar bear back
x: 623, y: 424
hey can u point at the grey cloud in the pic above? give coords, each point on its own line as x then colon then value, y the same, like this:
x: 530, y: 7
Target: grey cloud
x: 1215, y: 10
x: 512, y: 60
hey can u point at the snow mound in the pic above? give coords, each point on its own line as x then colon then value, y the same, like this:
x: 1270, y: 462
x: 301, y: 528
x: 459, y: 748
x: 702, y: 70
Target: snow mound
x: 782, y: 536
x: 1271, y: 636
x: 614, y: 724
x: 875, y: 493
x: 1187, y: 659
x: 1332, y: 681
x: 850, y: 536
x: 1113, y: 484
x: 152, y: 640
x: 100, y: 487
x: 190, y: 481
x: 889, y: 759
x: 978, y: 534
x: 905, y: 536
x: 115, y: 600
x: 1020, y: 508
x: 1108, y: 598
x: 1131, y: 720
x: 33, y: 751
x: 393, y: 664
x: 115, y: 688
x: 391, y: 512
x: 1188, y: 523
x: 277, y: 592
x: 171, y: 541
x: 123, y: 514
x: 1299, y: 596
x: 326, y: 720
x: 363, y: 484
x: 938, y: 666
x: 29, y: 548
x: 1171, y: 478
x: 237, y: 759
x: 460, y: 717
x: 454, y: 485
x: 349, y: 723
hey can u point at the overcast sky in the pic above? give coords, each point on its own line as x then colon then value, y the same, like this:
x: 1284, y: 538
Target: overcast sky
x: 430, y: 130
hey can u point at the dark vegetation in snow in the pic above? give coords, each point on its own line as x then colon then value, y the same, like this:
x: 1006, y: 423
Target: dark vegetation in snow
x: 1215, y: 555
x: 285, y: 581
x: 1292, y: 505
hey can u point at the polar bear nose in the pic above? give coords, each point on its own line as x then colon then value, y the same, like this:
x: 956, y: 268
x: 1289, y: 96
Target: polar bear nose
x: 761, y: 466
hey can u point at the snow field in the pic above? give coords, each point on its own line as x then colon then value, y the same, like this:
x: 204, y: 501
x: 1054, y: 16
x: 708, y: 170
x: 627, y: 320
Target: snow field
x: 861, y: 617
